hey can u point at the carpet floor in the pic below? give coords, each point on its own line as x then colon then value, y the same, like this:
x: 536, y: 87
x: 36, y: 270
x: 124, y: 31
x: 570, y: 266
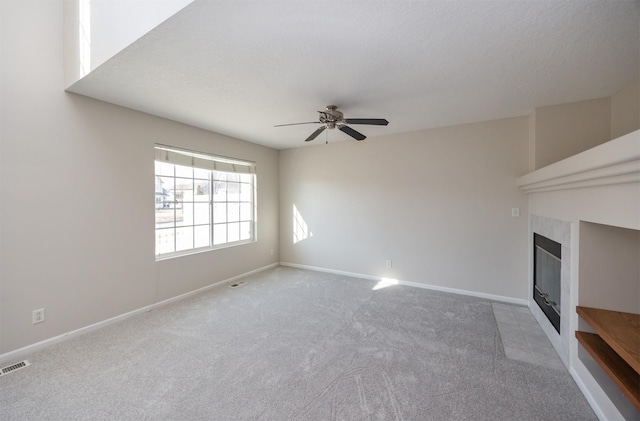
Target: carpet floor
x: 290, y: 344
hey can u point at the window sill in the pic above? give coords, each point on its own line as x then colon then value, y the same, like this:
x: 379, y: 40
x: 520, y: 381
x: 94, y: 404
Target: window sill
x: 169, y: 256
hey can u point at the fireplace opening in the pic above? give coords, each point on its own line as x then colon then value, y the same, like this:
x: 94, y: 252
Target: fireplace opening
x: 546, y: 277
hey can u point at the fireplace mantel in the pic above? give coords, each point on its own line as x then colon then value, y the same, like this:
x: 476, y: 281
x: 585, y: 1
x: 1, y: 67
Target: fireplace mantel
x: 614, y: 162
x: 594, y: 192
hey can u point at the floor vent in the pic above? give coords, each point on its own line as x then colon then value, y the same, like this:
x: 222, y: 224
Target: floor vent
x: 237, y: 284
x: 13, y: 367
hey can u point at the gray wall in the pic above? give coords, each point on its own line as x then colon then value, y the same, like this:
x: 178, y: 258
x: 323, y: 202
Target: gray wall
x: 609, y: 268
x: 437, y: 202
x: 77, y: 214
x: 559, y: 131
x: 625, y: 110
x: 564, y: 130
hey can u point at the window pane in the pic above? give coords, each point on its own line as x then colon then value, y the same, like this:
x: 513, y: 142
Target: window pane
x: 201, y: 213
x: 200, y: 173
x: 245, y: 211
x: 234, y: 232
x: 164, y: 192
x: 246, y: 192
x: 231, y: 176
x: 246, y: 178
x: 245, y: 231
x: 219, y: 212
x: 233, y: 192
x: 220, y: 191
x: 182, y: 171
x: 201, y: 191
x: 164, y: 218
x: 220, y: 176
x: 164, y: 241
x: 234, y: 212
x: 184, y: 190
x: 163, y: 168
x: 184, y: 214
x: 184, y: 238
x: 201, y: 236
x: 219, y: 234
x: 167, y: 182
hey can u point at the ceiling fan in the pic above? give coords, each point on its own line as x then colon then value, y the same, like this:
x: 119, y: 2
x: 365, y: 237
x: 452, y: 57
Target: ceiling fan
x: 331, y: 118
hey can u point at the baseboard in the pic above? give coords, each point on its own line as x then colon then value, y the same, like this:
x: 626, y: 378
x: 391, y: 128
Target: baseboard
x: 492, y: 297
x: 337, y: 272
x: 208, y: 287
x: 19, y: 354
x: 602, y: 406
x: 587, y: 393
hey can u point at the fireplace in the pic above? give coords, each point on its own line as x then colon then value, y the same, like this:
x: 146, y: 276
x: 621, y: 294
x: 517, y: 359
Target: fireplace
x: 547, y: 258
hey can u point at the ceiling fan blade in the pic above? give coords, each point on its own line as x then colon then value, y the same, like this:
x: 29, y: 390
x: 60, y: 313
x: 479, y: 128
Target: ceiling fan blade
x: 295, y: 124
x: 373, y: 121
x: 354, y: 134
x: 315, y: 134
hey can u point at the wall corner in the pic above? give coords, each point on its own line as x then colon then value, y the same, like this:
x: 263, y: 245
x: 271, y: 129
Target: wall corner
x: 71, y: 41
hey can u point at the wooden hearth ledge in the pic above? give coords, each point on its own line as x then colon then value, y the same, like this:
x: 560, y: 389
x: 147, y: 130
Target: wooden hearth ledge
x: 615, y: 347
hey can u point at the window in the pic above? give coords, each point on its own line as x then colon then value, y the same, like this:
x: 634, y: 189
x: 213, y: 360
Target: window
x: 202, y: 201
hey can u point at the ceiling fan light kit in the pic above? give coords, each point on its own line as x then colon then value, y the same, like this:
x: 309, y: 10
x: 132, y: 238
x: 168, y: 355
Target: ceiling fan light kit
x: 331, y: 118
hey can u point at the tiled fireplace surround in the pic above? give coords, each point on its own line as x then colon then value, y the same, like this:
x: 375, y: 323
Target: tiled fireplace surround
x: 602, y: 186
x: 560, y: 232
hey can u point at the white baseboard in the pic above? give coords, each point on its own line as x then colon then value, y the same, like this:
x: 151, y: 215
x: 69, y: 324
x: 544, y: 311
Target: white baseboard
x: 587, y: 393
x: 603, y: 407
x: 19, y: 354
x: 337, y: 272
x: 208, y: 287
x: 492, y: 297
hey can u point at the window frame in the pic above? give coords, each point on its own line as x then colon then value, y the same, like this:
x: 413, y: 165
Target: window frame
x: 246, y: 176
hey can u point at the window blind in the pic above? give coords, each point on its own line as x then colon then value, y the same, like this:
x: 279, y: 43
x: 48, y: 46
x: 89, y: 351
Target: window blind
x: 203, y: 161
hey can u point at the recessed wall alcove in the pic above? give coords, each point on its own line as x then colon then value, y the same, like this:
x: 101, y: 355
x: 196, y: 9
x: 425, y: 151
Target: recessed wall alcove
x: 609, y: 268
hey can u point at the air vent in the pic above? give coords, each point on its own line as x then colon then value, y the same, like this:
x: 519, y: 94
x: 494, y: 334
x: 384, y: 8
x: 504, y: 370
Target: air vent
x: 13, y: 367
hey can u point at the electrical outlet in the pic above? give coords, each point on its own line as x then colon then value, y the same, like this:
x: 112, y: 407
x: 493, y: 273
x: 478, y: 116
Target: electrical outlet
x: 389, y: 263
x: 38, y: 316
x: 515, y: 212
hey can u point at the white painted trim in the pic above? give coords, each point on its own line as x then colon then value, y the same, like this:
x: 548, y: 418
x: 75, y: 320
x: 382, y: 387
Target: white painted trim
x: 603, y: 407
x: 613, y: 162
x: 19, y: 354
x: 587, y: 394
x: 492, y: 297
x: 337, y: 272
x: 208, y: 287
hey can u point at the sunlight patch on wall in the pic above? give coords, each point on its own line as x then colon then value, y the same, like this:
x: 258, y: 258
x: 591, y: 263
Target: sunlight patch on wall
x: 300, y: 228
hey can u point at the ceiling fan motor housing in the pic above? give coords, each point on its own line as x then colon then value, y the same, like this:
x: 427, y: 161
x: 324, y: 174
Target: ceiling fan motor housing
x: 331, y: 117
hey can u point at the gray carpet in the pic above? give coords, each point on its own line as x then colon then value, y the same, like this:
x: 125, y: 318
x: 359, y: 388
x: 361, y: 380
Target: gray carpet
x: 290, y: 344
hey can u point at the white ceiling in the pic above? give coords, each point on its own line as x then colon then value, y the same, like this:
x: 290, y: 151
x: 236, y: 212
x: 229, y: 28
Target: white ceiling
x: 240, y: 67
